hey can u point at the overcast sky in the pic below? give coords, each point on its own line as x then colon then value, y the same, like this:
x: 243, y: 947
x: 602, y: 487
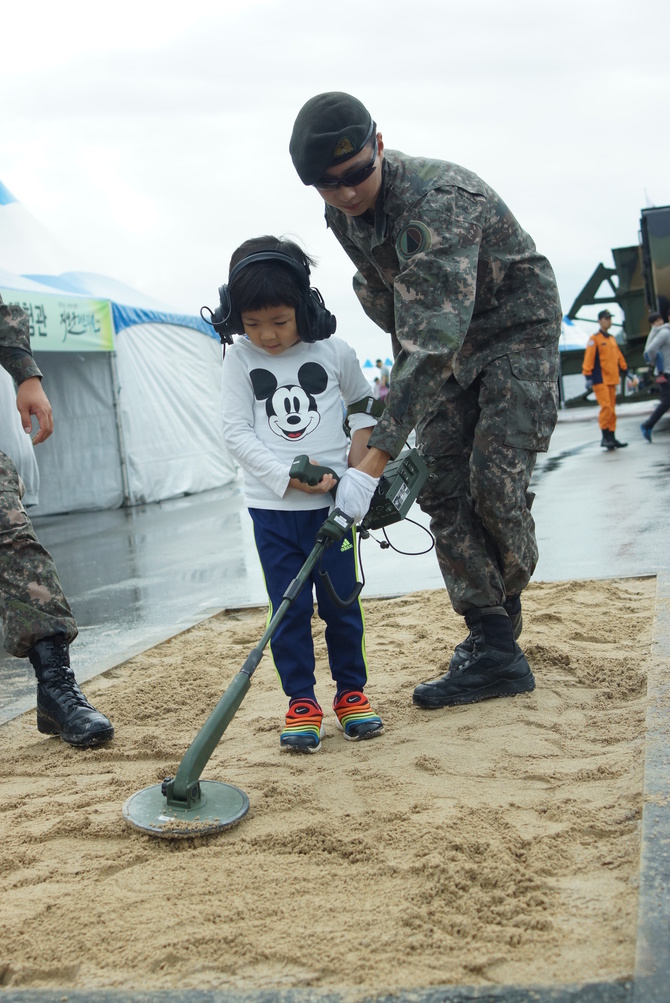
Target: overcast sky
x: 152, y: 138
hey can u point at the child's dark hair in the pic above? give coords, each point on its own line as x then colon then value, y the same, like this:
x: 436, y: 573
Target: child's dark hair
x: 268, y: 283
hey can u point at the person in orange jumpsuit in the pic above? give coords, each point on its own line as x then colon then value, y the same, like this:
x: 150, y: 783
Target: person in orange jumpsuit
x: 603, y: 367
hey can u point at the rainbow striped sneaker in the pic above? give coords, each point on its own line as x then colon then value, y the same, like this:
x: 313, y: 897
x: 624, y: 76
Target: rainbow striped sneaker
x: 304, y: 729
x: 355, y: 716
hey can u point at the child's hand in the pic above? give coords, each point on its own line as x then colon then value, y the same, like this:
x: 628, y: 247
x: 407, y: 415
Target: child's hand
x: 326, y: 484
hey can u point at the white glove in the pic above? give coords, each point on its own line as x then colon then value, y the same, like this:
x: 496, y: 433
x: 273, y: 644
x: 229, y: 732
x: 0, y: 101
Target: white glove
x: 354, y: 493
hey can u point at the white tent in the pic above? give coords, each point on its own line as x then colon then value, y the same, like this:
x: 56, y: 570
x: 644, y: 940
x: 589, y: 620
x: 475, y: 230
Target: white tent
x: 135, y: 388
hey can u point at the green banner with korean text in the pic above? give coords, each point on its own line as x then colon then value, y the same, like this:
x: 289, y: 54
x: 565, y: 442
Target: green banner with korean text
x: 62, y: 323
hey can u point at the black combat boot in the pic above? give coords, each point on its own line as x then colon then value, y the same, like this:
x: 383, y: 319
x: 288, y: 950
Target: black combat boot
x: 615, y: 442
x: 512, y: 607
x: 496, y: 668
x: 607, y: 441
x: 463, y: 651
x: 62, y: 709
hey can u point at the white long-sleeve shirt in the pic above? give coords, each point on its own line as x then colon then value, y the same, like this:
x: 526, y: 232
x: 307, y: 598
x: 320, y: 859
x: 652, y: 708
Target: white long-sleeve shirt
x: 278, y: 407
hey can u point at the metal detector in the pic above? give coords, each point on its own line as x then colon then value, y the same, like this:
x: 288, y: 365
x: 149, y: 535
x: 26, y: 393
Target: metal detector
x: 185, y: 806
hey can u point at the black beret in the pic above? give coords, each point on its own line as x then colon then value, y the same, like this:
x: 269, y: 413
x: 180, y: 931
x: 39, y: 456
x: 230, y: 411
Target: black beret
x: 330, y: 128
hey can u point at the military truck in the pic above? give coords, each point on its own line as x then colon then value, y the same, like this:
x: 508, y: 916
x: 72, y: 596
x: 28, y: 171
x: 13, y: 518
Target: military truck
x: 639, y: 283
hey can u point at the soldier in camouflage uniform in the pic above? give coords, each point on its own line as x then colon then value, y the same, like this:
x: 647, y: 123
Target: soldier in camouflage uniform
x: 36, y: 618
x: 474, y: 317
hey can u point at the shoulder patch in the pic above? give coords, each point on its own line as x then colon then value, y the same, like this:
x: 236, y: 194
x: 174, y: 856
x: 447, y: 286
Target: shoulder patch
x: 412, y: 239
x: 343, y: 147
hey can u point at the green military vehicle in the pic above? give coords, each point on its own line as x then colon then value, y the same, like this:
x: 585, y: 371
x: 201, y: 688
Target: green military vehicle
x: 639, y: 283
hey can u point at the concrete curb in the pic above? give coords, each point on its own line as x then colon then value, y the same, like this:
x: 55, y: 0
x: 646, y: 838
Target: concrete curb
x: 592, y: 992
x: 652, y: 962
x: 629, y: 409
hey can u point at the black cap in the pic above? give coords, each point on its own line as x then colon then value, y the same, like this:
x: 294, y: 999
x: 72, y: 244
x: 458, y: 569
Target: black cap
x: 604, y: 313
x: 330, y: 128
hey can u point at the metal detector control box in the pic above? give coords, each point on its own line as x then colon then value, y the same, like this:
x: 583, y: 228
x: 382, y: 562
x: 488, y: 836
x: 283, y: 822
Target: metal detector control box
x: 397, y: 490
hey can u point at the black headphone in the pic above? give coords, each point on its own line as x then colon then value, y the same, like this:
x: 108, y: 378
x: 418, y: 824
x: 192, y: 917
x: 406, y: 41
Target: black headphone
x: 313, y: 320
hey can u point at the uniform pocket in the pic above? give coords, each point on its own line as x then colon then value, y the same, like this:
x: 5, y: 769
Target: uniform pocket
x: 534, y: 400
x: 519, y: 400
x: 534, y: 364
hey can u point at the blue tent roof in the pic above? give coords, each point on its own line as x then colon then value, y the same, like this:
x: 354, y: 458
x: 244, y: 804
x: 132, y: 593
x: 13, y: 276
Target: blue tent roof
x: 29, y: 242
x: 6, y: 196
x: 140, y: 309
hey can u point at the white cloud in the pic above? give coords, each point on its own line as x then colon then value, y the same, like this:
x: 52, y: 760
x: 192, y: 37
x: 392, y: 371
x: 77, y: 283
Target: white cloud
x: 153, y: 138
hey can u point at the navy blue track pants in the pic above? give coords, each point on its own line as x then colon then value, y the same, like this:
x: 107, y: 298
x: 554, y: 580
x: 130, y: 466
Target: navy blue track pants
x: 284, y: 541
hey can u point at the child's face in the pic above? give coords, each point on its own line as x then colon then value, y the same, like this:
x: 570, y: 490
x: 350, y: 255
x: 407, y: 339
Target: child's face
x: 273, y: 328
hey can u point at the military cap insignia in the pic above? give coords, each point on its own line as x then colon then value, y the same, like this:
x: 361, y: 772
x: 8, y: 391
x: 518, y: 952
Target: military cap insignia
x: 412, y: 239
x: 344, y: 147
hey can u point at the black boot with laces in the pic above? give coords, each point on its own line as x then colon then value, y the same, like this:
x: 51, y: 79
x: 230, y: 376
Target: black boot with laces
x: 463, y: 651
x: 62, y: 709
x: 497, y: 666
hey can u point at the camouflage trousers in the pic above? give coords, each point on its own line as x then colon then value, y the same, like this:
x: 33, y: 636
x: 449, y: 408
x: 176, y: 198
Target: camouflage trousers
x: 484, y: 442
x: 32, y: 604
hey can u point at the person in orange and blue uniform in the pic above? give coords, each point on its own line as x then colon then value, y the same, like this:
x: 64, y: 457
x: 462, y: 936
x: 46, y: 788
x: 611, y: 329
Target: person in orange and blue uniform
x: 603, y: 367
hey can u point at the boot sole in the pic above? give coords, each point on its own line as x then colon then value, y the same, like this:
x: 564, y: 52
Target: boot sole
x: 288, y: 746
x: 45, y: 727
x: 502, y: 688
x: 300, y: 749
x: 363, y: 736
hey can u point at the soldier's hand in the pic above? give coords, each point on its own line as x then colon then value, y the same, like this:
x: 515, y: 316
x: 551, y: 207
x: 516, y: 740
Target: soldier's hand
x: 31, y: 400
x: 354, y: 493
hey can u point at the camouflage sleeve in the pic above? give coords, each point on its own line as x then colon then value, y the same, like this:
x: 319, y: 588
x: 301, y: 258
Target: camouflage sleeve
x: 375, y: 298
x: 434, y: 297
x: 15, y: 352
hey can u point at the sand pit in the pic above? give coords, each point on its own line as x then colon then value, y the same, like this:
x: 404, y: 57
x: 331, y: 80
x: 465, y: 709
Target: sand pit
x: 496, y: 843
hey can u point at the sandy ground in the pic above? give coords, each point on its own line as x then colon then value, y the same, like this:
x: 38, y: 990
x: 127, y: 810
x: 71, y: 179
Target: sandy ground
x: 492, y: 843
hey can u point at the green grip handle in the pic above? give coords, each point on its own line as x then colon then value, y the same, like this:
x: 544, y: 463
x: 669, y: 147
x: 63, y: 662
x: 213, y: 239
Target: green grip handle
x: 309, y: 473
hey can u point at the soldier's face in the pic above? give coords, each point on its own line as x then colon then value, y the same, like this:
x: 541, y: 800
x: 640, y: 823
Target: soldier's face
x: 354, y: 201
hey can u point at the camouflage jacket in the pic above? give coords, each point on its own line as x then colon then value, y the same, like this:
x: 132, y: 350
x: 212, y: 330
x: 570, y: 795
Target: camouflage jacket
x: 447, y: 270
x: 15, y: 353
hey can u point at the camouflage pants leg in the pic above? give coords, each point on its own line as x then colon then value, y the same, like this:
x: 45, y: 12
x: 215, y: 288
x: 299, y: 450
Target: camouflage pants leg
x: 484, y: 442
x: 32, y: 604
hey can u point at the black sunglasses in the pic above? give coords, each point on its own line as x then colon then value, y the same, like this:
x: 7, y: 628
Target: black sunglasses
x: 349, y: 180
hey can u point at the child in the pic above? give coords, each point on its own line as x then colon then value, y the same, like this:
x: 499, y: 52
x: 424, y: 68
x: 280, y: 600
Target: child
x: 283, y: 387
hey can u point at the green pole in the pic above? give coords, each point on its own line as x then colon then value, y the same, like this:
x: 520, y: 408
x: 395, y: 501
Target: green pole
x: 184, y: 789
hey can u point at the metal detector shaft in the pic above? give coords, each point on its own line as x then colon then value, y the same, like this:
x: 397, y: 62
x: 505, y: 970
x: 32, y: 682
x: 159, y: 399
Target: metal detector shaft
x: 184, y: 788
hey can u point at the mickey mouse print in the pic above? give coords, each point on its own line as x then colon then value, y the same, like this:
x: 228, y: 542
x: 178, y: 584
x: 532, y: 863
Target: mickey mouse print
x: 276, y: 407
x: 292, y: 410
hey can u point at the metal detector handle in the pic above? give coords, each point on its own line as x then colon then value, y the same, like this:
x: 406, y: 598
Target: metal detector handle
x: 184, y: 789
x: 310, y: 473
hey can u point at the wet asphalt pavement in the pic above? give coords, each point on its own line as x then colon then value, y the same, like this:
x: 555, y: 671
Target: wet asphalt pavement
x: 135, y: 577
